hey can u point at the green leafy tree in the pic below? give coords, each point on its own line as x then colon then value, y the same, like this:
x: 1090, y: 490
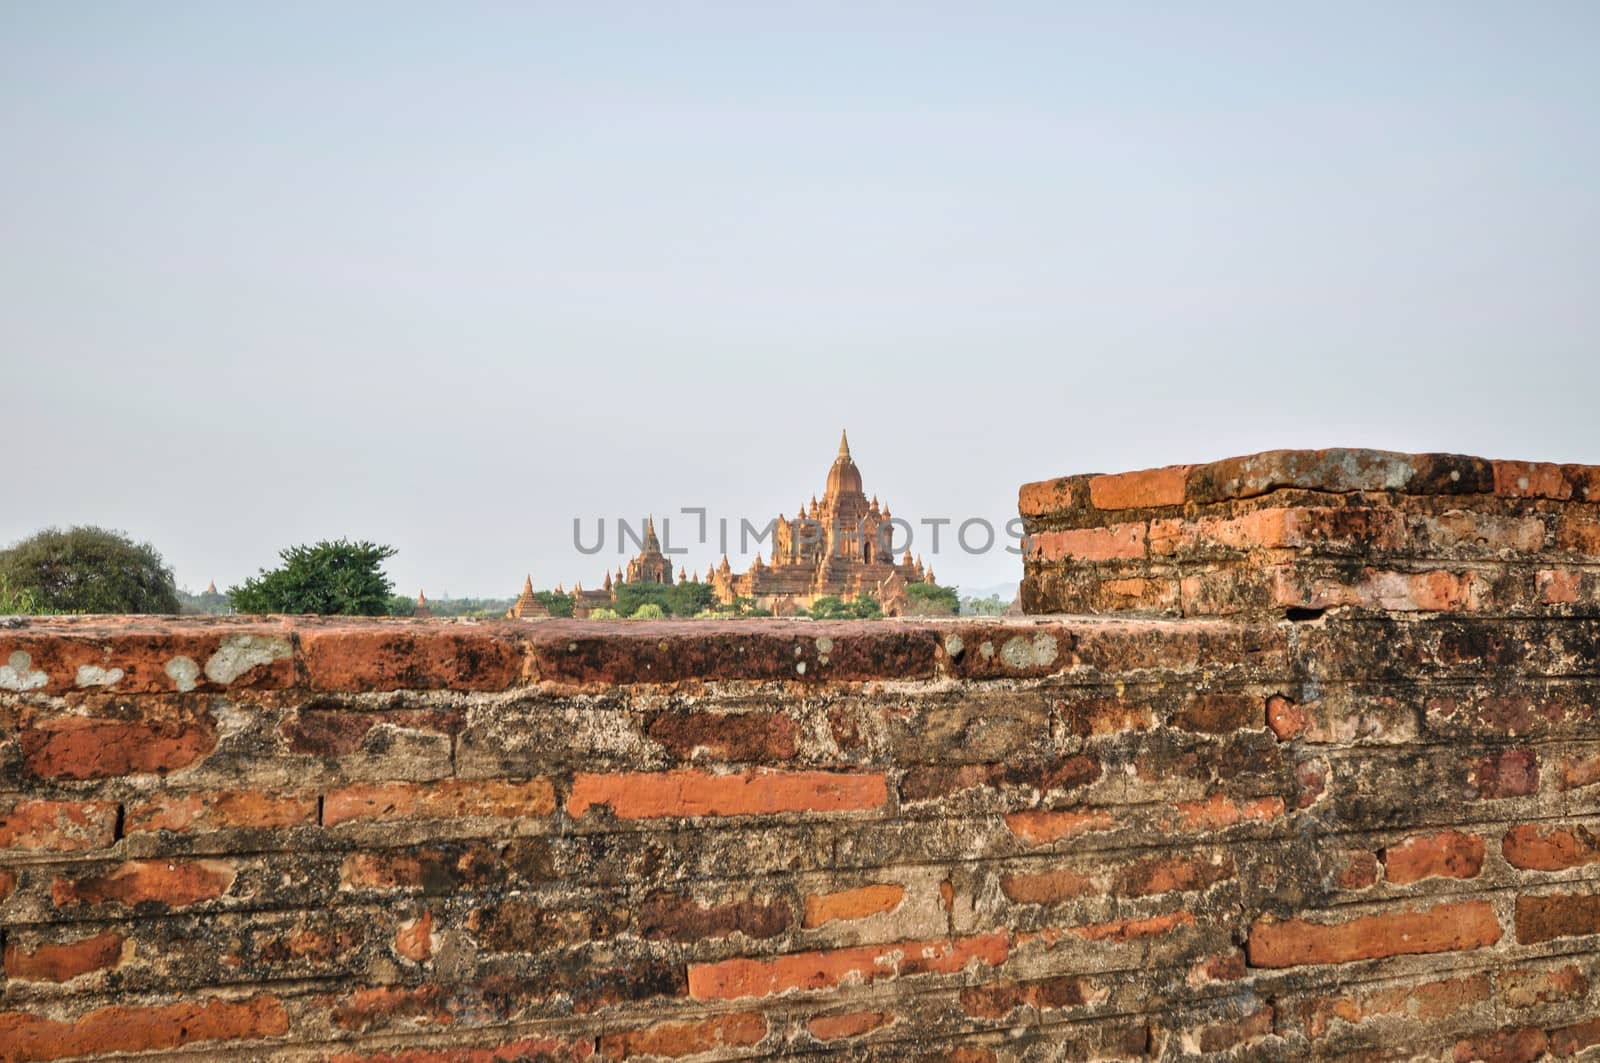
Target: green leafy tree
x: 557, y: 604
x: 649, y: 611
x: 993, y: 605
x: 927, y: 599
x: 604, y: 614
x: 400, y: 605
x: 85, y: 570
x: 630, y: 596
x: 689, y: 598
x: 829, y: 607
x: 338, y: 578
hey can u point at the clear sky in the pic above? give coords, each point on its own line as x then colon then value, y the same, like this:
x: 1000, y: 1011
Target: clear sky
x: 448, y: 275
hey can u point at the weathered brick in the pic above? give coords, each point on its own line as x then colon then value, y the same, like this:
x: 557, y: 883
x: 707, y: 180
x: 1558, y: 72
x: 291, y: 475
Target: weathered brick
x: 522, y: 1050
x: 1510, y: 773
x: 1045, y: 828
x: 446, y: 799
x: 414, y: 939
x: 1503, y: 1046
x: 996, y: 1000
x: 158, y: 883
x: 1448, y: 854
x: 76, y: 747
x: 1541, y: 919
x: 1442, y: 928
x: 1221, y: 713
x: 673, y: 917
x: 141, y: 1029
x: 58, y: 826
x: 1117, y: 543
x: 676, y: 1039
x: 411, y: 657
x: 1046, y: 497
x: 1538, y: 848
x: 685, y: 793
x: 838, y: 1027
x: 1048, y: 887
x: 220, y: 810
x: 1139, y: 490
x: 852, y: 904
x: 62, y: 961
x: 338, y: 732
x: 1419, y: 1002
x: 734, y: 736
x: 1219, y: 812
x: 1530, y: 479
x: 1570, y: 1040
x: 732, y: 979
x: 1168, y: 874
x: 1532, y: 988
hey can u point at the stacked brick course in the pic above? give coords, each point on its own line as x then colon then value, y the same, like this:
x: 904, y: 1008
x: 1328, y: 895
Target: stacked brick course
x: 1372, y: 831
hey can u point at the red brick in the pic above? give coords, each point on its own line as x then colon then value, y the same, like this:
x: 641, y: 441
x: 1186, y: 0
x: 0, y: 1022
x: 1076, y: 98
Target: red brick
x: 996, y: 1000
x: 1442, y: 928
x: 848, y: 1024
x: 735, y: 736
x: 1449, y: 854
x: 1503, y: 1046
x: 147, y: 655
x: 731, y: 979
x: 141, y: 1029
x: 653, y: 795
x: 63, y: 961
x: 59, y: 826
x: 1354, y: 869
x: 1512, y: 773
x: 1218, y: 812
x: 1419, y: 1003
x: 1220, y: 713
x: 338, y: 732
x: 672, y: 917
x: 220, y: 810
x: 1570, y: 1040
x: 1119, y: 542
x: 1037, y: 828
x: 168, y: 883
x: 1045, y: 497
x: 1139, y: 490
x: 1048, y: 887
x: 1168, y: 874
x: 414, y: 940
x: 1580, y: 771
x: 1579, y: 533
x: 1535, y: 848
x: 1541, y: 919
x: 445, y: 799
x: 369, y: 658
x: 1530, y: 479
x: 539, y: 1049
x: 8, y: 882
x: 1287, y: 719
x: 676, y: 1039
x: 77, y: 747
x: 846, y: 905
x: 1222, y: 1036
x: 1558, y: 586
x: 1121, y: 930
x: 367, y: 1009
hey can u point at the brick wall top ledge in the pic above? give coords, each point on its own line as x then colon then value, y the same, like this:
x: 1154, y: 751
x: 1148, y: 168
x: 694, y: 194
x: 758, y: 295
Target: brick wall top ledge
x: 1335, y: 470
x: 141, y: 655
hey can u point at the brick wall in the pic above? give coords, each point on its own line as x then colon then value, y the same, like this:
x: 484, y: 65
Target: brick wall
x: 1372, y: 831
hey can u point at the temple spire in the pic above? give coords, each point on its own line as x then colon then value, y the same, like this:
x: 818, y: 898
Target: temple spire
x: 844, y: 443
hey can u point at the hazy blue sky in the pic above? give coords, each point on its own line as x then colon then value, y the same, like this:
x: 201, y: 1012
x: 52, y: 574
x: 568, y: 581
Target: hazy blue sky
x: 448, y: 275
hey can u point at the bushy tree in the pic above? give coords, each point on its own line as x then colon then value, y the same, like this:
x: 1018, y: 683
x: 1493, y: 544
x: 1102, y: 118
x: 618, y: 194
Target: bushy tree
x: 689, y: 598
x: 556, y: 604
x: 649, y: 611
x: 85, y: 570
x: 830, y: 607
x: 338, y: 578
x: 928, y: 599
x: 630, y: 596
x: 604, y: 614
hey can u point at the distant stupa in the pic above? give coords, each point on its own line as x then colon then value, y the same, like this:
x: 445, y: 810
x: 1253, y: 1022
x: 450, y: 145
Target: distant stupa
x: 422, y: 611
x: 527, y: 607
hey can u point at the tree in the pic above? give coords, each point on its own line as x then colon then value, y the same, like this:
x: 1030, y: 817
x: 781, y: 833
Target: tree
x: 338, y: 578
x: 555, y: 604
x: 649, y: 611
x: 85, y: 570
x: 689, y: 598
x: 830, y: 607
x: 928, y: 599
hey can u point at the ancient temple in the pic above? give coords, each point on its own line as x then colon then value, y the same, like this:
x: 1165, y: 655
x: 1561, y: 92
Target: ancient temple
x: 423, y: 610
x: 835, y: 546
x: 651, y: 566
x: 527, y: 607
